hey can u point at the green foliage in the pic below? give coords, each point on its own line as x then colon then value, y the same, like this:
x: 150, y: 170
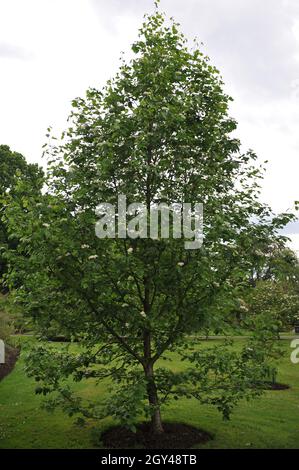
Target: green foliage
x: 14, y: 312
x: 278, y: 300
x: 13, y: 167
x: 268, y: 422
x: 6, y: 327
x: 159, y: 132
x: 279, y: 263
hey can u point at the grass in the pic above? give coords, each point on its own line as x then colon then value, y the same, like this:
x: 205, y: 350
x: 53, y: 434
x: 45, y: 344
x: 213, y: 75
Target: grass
x: 271, y: 421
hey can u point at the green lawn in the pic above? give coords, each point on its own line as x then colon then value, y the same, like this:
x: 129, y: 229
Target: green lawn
x: 268, y: 422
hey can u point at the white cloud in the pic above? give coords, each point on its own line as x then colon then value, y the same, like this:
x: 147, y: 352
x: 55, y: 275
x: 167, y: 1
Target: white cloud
x: 70, y: 50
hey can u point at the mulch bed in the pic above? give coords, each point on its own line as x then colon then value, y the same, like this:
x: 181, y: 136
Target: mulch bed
x: 11, y: 357
x: 276, y: 386
x: 175, y: 436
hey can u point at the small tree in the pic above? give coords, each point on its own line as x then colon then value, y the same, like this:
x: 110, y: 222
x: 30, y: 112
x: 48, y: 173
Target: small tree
x: 159, y: 132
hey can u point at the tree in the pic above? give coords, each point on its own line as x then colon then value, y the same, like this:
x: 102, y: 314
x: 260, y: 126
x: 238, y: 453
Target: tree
x: 274, y: 287
x: 278, y: 263
x: 6, y: 327
x: 12, y: 166
x: 277, y: 298
x: 271, y: 285
x: 159, y: 132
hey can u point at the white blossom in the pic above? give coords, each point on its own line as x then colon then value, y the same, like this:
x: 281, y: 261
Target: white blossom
x: 130, y: 250
x: 244, y: 308
x: 181, y: 264
x: 85, y: 247
x: 46, y: 225
x: 259, y: 253
x: 143, y: 314
x: 93, y: 257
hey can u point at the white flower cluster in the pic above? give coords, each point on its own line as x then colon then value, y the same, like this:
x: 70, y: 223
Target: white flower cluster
x: 93, y: 257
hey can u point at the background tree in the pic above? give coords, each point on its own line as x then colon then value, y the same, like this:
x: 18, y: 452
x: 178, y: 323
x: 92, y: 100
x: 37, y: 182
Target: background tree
x: 158, y: 132
x: 12, y: 166
x: 6, y: 326
x: 278, y: 299
x: 278, y: 263
x: 272, y: 285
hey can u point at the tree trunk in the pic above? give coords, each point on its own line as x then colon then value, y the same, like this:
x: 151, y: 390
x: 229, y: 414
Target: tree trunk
x: 156, y: 422
x: 148, y: 366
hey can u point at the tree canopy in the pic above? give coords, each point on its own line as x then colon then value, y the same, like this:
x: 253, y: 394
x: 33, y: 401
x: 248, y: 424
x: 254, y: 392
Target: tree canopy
x: 13, y: 165
x: 158, y: 132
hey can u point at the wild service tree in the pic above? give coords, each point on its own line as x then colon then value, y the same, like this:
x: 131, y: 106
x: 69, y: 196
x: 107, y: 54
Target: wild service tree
x: 158, y: 132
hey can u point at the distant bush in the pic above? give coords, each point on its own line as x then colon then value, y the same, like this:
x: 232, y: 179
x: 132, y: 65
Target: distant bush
x: 6, y: 323
x: 12, y: 319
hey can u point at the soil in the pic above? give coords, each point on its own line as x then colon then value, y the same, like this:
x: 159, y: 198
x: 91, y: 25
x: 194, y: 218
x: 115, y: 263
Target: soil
x: 11, y: 357
x: 276, y: 386
x: 175, y: 436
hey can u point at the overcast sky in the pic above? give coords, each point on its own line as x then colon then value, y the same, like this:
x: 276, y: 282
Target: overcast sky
x: 52, y: 50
